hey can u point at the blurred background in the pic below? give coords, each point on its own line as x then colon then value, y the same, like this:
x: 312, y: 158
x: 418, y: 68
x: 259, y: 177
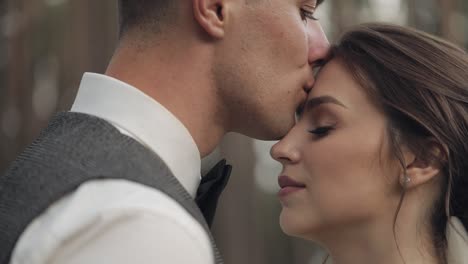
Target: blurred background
x: 46, y: 46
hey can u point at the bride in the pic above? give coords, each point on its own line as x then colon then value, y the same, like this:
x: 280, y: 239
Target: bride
x: 376, y: 168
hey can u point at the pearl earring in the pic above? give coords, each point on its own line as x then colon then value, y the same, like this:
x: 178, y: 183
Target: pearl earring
x: 406, y: 181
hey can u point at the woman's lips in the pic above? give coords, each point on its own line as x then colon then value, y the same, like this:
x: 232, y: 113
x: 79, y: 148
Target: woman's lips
x: 289, y: 186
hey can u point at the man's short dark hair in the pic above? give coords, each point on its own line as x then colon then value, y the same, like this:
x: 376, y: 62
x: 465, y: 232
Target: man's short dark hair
x: 148, y: 15
x: 145, y: 15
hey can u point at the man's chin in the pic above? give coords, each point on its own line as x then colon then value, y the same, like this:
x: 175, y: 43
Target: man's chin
x: 273, y: 135
x: 269, y: 131
x: 281, y: 131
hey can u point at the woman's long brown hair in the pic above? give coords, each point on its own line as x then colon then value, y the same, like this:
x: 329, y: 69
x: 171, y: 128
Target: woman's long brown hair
x: 421, y: 84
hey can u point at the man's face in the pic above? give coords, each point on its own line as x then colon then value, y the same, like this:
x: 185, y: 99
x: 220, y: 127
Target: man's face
x: 264, y: 64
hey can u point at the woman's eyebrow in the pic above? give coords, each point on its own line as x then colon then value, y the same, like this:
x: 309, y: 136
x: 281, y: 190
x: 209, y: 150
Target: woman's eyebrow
x: 326, y: 99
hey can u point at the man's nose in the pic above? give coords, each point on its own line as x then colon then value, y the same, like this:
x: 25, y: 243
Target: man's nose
x: 318, y: 44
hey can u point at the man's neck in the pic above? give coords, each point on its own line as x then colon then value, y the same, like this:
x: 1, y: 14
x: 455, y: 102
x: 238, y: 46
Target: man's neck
x: 179, y: 78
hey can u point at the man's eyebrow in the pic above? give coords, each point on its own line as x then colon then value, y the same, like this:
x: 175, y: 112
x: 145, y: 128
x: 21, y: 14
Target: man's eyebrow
x: 326, y: 99
x: 319, y: 2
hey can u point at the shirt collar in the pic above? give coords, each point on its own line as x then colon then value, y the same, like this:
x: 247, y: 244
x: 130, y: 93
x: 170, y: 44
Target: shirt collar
x: 145, y: 120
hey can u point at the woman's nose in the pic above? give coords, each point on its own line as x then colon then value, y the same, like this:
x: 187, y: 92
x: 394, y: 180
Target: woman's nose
x: 285, y: 152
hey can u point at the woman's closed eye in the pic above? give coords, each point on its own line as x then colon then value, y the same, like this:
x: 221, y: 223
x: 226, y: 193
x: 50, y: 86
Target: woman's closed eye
x: 308, y: 10
x: 322, y: 131
x: 306, y: 14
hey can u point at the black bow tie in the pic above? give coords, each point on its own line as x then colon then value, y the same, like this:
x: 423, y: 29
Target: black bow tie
x: 211, y: 187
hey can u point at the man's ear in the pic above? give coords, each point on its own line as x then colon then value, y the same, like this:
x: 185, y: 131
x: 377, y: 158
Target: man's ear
x: 420, y: 170
x: 211, y: 15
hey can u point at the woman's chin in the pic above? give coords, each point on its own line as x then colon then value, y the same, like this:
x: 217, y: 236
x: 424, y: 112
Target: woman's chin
x: 292, y: 226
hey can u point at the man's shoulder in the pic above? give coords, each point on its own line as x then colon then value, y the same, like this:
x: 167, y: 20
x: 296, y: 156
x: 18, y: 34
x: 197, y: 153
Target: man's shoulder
x: 79, y: 142
x: 72, y: 151
x: 104, y: 200
x: 99, y: 210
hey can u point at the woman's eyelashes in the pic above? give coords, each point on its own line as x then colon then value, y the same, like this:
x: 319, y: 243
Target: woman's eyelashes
x: 306, y: 14
x: 321, y: 122
x: 321, y: 131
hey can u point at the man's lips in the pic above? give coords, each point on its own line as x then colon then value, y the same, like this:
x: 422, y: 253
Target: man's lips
x: 288, y: 186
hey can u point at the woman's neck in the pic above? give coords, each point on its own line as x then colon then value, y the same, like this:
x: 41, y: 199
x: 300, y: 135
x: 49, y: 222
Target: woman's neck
x: 376, y: 243
x: 379, y: 240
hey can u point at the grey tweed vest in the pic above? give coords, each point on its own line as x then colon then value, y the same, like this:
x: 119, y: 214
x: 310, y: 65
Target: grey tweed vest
x: 73, y: 149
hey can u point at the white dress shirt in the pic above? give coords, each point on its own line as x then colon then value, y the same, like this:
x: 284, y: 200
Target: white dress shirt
x: 118, y: 221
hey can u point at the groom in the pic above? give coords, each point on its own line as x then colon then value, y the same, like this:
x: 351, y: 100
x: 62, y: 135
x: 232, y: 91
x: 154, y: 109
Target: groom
x: 114, y: 180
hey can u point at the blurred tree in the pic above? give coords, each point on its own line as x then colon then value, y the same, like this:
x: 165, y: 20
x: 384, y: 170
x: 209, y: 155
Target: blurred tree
x: 446, y: 17
x: 16, y: 120
x: 49, y: 44
x: 3, y: 76
x: 412, y: 14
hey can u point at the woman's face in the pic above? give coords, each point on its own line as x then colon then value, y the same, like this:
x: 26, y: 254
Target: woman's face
x: 336, y: 172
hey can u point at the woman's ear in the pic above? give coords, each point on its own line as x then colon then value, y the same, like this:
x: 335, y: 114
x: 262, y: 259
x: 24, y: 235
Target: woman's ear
x: 211, y: 16
x: 421, y: 169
